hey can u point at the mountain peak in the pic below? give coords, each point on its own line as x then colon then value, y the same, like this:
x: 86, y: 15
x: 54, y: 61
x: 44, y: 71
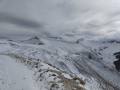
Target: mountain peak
x: 33, y: 40
x: 80, y: 40
x: 35, y: 37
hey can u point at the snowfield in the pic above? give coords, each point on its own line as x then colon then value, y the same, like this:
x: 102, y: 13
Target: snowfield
x: 46, y: 64
x: 15, y: 76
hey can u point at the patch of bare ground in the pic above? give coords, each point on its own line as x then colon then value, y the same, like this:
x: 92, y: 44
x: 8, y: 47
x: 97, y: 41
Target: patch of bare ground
x: 69, y: 84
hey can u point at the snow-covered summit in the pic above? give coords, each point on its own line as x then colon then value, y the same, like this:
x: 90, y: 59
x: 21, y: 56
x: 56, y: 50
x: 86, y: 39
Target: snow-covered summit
x: 35, y: 37
x: 83, y: 39
x: 33, y: 40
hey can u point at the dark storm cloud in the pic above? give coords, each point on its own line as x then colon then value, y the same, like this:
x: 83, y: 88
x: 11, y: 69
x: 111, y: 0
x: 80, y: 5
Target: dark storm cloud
x: 5, y: 18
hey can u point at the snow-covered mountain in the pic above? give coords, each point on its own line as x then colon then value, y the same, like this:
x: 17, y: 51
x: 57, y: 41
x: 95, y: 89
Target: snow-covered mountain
x: 33, y: 40
x: 46, y: 64
x: 83, y: 39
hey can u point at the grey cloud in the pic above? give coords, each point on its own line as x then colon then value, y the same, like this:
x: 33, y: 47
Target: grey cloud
x: 115, y: 13
x: 3, y: 37
x: 90, y: 33
x: 92, y: 25
x: 69, y: 18
x: 111, y: 31
x: 6, y: 18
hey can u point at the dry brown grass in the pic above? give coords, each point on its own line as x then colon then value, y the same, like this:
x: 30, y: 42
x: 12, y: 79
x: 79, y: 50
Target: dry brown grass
x: 69, y: 84
x: 40, y: 70
x: 79, y: 79
x: 53, y: 74
x: 53, y: 85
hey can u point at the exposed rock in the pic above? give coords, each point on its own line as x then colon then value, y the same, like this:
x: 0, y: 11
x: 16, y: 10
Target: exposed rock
x: 80, y: 40
x: 35, y: 37
x: 117, y: 63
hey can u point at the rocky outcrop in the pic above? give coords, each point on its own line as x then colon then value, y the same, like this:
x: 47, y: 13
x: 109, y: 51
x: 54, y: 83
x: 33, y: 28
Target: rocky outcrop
x: 117, y: 63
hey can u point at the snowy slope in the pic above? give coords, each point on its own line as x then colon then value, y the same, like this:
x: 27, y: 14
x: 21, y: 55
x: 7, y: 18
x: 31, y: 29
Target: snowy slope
x: 68, y: 66
x: 14, y: 76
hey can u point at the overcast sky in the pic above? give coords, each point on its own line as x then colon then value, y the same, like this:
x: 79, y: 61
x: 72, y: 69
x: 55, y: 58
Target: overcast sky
x: 60, y: 18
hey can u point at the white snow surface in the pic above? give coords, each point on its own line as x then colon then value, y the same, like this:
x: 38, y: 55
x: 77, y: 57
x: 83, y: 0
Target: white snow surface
x: 15, y: 76
x: 54, y: 57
